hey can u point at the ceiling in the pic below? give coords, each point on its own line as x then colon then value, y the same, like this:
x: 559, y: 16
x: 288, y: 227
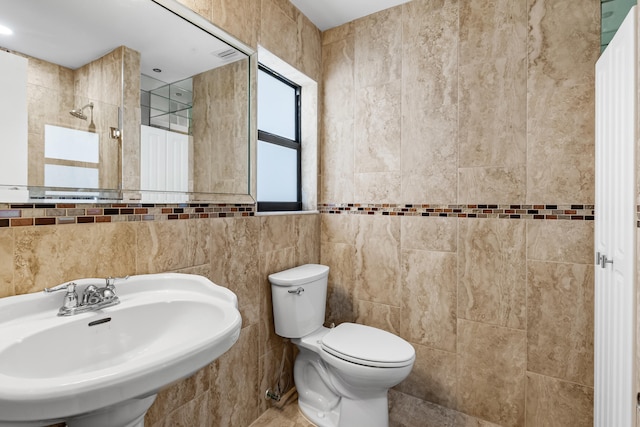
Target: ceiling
x: 327, y: 14
x: 73, y: 33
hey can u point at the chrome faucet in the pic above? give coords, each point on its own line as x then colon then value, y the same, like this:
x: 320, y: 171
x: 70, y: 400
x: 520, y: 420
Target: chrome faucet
x: 93, y: 298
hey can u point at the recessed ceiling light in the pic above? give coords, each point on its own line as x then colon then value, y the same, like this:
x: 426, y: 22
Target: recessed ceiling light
x: 5, y: 30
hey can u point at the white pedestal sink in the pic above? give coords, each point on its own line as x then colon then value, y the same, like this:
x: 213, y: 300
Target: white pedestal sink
x: 103, y: 368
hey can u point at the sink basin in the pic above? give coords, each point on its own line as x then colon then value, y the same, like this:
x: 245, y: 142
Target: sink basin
x: 103, y: 368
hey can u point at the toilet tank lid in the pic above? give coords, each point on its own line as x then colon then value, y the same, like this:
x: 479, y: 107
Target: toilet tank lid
x: 299, y: 275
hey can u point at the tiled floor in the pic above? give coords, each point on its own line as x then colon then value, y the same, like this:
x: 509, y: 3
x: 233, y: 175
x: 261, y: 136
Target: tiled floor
x: 405, y: 411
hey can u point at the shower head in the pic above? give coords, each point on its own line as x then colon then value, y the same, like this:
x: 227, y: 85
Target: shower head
x: 79, y: 112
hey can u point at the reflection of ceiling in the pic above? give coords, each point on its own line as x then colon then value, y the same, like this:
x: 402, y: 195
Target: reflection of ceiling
x: 72, y: 33
x: 332, y: 13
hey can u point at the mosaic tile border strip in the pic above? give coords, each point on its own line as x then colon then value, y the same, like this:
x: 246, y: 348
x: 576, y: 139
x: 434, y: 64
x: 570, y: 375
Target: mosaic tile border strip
x: 20, y: 215
x: 549, y: 212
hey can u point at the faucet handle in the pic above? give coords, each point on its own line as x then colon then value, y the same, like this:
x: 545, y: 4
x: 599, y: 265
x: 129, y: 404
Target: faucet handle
x: 70, y: 299
x: 69, y: 287
x: 111, y: 281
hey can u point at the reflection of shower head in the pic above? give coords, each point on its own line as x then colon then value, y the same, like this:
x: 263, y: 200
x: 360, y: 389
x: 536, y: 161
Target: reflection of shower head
x: 79, y: 112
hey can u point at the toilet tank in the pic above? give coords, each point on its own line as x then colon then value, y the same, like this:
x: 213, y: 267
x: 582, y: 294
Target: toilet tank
x: 299, y: 298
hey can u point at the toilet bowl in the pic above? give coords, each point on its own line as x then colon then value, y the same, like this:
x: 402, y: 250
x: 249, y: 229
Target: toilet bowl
x: 342, y: 374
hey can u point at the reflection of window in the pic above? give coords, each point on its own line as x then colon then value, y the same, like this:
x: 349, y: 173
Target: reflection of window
x: 71, y: 158
x: 279, y: 147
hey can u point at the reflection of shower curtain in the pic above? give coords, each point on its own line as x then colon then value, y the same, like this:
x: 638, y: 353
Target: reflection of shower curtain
x: 615, y: 230
x: 164, y: 165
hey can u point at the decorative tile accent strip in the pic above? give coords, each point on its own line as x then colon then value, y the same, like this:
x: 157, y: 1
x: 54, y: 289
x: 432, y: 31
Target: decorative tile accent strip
x: 553, y: 212
x: 20, y: 215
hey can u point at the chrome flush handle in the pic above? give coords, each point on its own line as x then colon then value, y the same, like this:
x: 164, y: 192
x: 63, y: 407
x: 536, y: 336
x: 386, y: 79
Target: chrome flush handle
x: 296, y: 291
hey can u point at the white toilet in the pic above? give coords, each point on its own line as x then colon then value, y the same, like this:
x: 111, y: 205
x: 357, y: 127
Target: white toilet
x: 342, y: 374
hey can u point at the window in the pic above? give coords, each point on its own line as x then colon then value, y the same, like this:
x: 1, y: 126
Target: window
x: 279, y: 148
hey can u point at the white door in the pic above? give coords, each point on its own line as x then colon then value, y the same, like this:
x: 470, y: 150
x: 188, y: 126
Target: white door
x: 616, y: 93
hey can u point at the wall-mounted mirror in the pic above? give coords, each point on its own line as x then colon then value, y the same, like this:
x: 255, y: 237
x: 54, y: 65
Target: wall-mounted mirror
x: 121, y: 100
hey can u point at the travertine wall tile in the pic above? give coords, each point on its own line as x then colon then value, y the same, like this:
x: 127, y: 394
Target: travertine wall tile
x: 193, y: 413
x: 492, y: 272
x: 338, y: 33
x: 277, y: 232
x: 220, y: 135
x: 240, y: 18
x: 560, y: 163
x: 235, y: 261
x: 177, y: 395
x: 280, y: 35
x: 433, y: 377
x: 429, y: 298
x: 569, y: 241
x: 309, y: 47
x: 199, y: 238
x: 6, y: 263
x: 338, y: 229
x: 430, y: 46
x: 337, y: 167
x: 201, y: 7
x: 338, y: 79
x: 493, y: 52
x: 271, y: 262
x: 49, y: 255
x: 491, y: 362
x: 378, y: 39
x: 377, y: 187
x: 163, y: 244
x: 307, y: 237
x: 338, y: 115
x: 429, y: 150
x: 377, y: 119
x: 234, y: 383
x: 269, y: 371
x: 493, y: 105
x: 409, y: 411
x: 377, y: 260
x: 491, y: 185
x: 381, y: 316
x: 429, y: 234
x: 341, y: 304
x: 561, y: 74
x: 560, y: 321
x: 557, y: 50
x: 496, y: 109
x: 554, y: 402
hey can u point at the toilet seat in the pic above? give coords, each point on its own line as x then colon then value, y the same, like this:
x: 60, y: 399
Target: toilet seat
x: 367, y: 346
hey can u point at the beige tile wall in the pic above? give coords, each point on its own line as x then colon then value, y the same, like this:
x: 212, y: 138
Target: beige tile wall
x: 468, y: 102
x: 237, y: 253
x: 430, y: 102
